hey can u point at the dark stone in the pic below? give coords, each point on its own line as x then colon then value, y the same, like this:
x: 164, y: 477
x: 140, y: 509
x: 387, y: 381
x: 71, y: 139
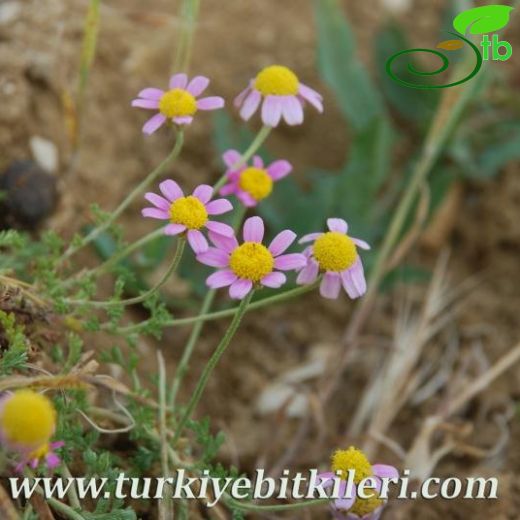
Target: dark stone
x: 28, y: 195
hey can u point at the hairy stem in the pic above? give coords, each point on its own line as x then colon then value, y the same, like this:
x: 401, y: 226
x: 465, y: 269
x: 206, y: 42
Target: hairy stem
x: 212, y: 363
x: 128, y: 200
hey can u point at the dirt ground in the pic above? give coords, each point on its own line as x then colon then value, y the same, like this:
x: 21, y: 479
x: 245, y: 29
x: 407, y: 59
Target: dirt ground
x: 39, y: 49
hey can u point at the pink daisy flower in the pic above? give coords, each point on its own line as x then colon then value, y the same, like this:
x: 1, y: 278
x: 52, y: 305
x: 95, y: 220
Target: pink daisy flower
x: 27, y: 423
x: 188, y: 213
x: 354, y: 507
x: 178, y: 104
x: 243, y: 266
x: 283, y: 95
x: 251, y: 184
x: 335, y: 254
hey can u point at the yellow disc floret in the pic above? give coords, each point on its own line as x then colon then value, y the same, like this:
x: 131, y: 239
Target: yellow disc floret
x: 257, y: 182
x: 334, y: 251
x: 364, y: 506
x: 188, y: 211
x: 177, y: 103
x: 251, y: 261
x: 351, y: 459
x: 277, y: 80
x: 28, y: 418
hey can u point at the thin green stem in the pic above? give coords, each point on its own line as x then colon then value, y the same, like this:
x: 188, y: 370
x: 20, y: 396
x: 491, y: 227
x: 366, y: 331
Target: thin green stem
x: 137, y: 299
x: 188, y: 14
x: 248, y: 506
x: 128, y: 200
x: 182, y: 368
x: 104, y: 267
x: 62, y: 508
x: 212, y: 363
x: 265, y: 302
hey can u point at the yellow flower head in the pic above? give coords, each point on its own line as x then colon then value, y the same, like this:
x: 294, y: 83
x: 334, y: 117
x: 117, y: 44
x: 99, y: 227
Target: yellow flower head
x: 27, y: 419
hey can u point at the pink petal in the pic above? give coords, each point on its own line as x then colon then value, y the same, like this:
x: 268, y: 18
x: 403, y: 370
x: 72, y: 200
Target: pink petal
x: 330, y: 285
x: 361, y: 243
x: 151, y: 93
x: 204, y: 192
x: 346, y: 503
x: 231, y: 157
x: 171, y: 190
x: 311, y: 237
x: 281, y: 242
x: 337, y: 224
x: 221, y: 279
x: 157, y: 201
x: 250, y: 105
x: 309, y: 273
x: 227, y: 244
x: 290, y: 262
x: 146, y: 103
x: 178, y: 81
x: 174, y: 229
x: 214, y: 257
x: 210, y: 103
x: 279, y: 169
x: 258, y: 162
x: 197, y: 241
x: 246, y: 199
x: 155, y: 213
x: 197, y: 85
x: 218, y: 207
x: 183, y: 120
x: 292, y: 110
x: 272, y: 111
x: 240, y: 288
x: 253, y: 230
x: 228, y: 189
x: 385, y: 471
x: 220, y: 228
x: 153, y: 124
x: 52, y: 460
x: 241, y: 97
x: 312, y: 97
x: 354, y: 280
x: 273, y: 280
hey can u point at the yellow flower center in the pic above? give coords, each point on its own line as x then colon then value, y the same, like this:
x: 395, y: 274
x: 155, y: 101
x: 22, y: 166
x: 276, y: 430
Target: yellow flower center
x: 251, y: 261
x: 364, y: 506
x: 351, y: 459
x: 334, y: 251
x: 256, y: 182
x: 177, y: 103
x: 277, y: 80
x: 188, y: 211
x: 28, y: 418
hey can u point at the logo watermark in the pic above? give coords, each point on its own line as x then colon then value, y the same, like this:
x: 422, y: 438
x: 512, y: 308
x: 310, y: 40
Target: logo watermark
x: 477, y: 21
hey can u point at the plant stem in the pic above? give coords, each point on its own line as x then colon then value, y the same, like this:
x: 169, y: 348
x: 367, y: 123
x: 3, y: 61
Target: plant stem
x: 197, y: 329
x: 188, y: 14
x: 182, y: 368
x: 212, y: 363
x: 248, y: 506
x: 137, y: 299
x: 130, y: 248
x: 278, y: 298
x: 127, y: 201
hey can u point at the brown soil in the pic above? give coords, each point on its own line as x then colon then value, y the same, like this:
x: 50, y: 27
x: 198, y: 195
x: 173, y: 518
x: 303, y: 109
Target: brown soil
x: 38, y: 62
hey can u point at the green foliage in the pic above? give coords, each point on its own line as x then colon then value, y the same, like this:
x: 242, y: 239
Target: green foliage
x: 15, y: 356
